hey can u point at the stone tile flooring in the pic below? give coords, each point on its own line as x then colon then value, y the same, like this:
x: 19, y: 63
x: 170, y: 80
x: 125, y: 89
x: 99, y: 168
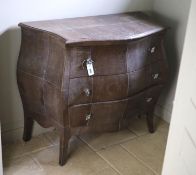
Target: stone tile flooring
x: 129, y: 152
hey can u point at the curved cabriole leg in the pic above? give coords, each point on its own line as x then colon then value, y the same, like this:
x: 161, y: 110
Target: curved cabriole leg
x: 28, y: 127
x: 150, y: 121
x: 63, y: 151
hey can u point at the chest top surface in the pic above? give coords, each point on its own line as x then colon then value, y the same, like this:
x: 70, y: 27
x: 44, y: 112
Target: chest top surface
x: 93, y: 29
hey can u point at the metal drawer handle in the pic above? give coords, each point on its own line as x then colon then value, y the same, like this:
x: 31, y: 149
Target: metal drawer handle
x: 87, y: 92
x: 148, y: 100
x: 155, y: 76
x: 88, y: 117
x: 152, y: 50
x: 87, y: 61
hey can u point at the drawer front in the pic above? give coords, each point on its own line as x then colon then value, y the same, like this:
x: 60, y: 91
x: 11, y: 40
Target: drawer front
x: 99, y: 116
x: 143, y: 52
x: 107, y: 60
x: 80, y: 90
x: 153, y: 74
x: 98, y: 89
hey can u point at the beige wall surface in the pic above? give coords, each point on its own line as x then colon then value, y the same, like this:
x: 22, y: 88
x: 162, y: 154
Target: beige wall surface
x: 13, y: 12
x: 173, y: 13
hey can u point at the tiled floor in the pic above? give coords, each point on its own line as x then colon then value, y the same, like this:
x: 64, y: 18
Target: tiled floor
x: 129, y: 152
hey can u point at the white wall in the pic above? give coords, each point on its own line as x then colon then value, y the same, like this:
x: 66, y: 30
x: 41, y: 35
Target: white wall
x: 180, y: 155
x: 13, y: 12
x: 173, y: 13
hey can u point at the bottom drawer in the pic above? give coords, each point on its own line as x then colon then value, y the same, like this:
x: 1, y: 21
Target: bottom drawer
x: 106, y: 116
x: 99, y: 116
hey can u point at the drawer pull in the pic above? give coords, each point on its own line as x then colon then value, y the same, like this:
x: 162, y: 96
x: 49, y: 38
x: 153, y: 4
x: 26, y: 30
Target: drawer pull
x: 87, y: 61
x: 152, y: 50
x: 89, y: 66
x: 148, y: 100
x: 88, y: 117
x: 87, y: 92
x: 155, y: 76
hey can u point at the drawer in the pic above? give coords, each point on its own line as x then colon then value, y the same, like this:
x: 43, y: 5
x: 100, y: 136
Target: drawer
x: 154, y: 74
x: 98, y: 89
x: 143, y: 52
x: 107, y: 60
x: 98, y: 116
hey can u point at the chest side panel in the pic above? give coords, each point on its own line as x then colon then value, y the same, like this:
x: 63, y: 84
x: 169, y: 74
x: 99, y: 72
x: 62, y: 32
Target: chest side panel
x: 40, y: 74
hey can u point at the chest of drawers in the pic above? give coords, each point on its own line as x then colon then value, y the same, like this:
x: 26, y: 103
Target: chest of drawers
x: 126, y: 54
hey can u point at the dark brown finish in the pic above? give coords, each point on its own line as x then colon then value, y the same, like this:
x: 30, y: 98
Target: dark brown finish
x: 130, y: 70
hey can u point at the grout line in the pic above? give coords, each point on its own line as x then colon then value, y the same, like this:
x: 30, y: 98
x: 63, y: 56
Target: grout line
x: 36, y: 162
x: 108, y: 162
x: 86, y: 143
x: 30, y: 152
x: 137, y: 134
x: 50, y: 139
x: 141, y: 161
x: 108, y: 146
x: 96, y: 152
x: 98, y: 172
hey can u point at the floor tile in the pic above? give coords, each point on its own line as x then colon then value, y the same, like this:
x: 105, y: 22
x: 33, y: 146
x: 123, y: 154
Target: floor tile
x: 123, y: 162
x: 149, y: 148
x: 22, y: 166
x: 116, y: 153
x: 104, y: 140
x: 138, y: 125
x: 82, y: 160
x: 21, y: 148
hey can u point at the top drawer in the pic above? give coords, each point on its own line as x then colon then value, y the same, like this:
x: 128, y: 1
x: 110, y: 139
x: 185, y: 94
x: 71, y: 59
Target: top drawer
x: 107, y: 60
x: 145, y: 51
